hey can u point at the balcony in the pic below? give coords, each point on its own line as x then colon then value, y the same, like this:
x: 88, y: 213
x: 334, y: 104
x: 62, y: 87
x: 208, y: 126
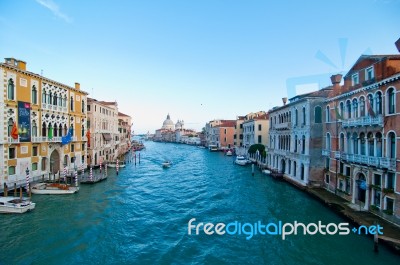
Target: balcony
x: 13, y: 141
x: 363, y: 121
x: 282, y: 126
x: 379, y: 162
x: 43, y: 139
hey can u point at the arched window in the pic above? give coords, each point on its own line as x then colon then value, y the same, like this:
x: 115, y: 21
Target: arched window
x: 370, y: 148
x: 391, y: 145
x: 50, y: 130
x: 65, y: 101
x: 10, y: 126
x: 60, y: 130
x: 44, y: 97
x: 379, y: 146
x: 355, y: 108
x: 34, y: 95
x: 302, y: 171
x: 348, y: 109
x: 10, y: 90
x: 294, y: 168
x: 378, y: 103
x: 341, y: 107
x: 50, y: 101
x: 65, y: 129
x: 295, y: 143
x: 370, y: 105
x: 328, y: 141
x: 83, y: 130
x: 72, y: 130
x: 44, y: 129
x: 355, y: 143
x: 83, y: 106
x: 362, y: 106
x: 341, y: 142
x: 34, y: 129
x: 349, y: 150
x: 362, y: 141
x: 55, y: 128
x: 303, y: 145
x: 327, y: 114
x: 391, y: 100
x: 72, y: 103
x: 304, y: 115
x: 55, y: 99
x: 318, y: 114
x: 296, y: 117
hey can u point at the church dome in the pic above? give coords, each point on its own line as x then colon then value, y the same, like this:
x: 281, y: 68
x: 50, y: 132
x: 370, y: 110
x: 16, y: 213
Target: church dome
x: 168, y: 124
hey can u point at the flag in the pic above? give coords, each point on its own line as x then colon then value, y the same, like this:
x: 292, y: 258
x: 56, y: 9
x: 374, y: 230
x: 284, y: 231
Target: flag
x: 338, y: 116
x: 369, y: 108
x: 88, y: 138
x: 14, y: 131
x: 67, y: 138
x: 50, y: 132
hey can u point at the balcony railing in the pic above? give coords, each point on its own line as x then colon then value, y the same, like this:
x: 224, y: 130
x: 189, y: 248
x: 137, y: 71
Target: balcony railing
x: 12, y: 140
x: 284, y: 125
x: 46, y: 106
x: 41, y: 139
x: 380, y: 162
x: 363, y: 121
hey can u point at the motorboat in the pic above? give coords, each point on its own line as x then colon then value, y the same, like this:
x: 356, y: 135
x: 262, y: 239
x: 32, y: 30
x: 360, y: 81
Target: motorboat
x: 213, y: 148
x: 241, y: 160
x: 114, y: 164
x: 228, y: 153
x: 15, y: 205
x: 53, y: 188
x: 266, y: 171
x: 166, y: 164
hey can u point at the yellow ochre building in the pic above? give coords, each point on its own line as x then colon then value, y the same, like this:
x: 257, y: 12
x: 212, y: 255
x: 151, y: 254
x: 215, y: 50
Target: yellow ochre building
x: 42, y: 125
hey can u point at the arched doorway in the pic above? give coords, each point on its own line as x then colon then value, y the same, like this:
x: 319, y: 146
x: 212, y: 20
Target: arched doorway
x: 362, y: 186
x: 54, y: 162
x: 283, y: 166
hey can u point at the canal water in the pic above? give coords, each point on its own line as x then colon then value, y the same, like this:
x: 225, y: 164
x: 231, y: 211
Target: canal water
x: 141, y: 217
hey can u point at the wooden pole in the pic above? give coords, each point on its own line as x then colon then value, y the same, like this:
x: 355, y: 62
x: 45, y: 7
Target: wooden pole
x: 5, y: 190
x: 20, y: 192
x: 252, y: 169
x: 15, y: 189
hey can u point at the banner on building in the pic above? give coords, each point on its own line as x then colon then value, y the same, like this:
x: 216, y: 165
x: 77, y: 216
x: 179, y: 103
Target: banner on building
x: 24, y: 121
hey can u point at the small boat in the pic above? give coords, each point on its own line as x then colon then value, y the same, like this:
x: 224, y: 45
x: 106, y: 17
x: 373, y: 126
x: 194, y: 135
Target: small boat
x: 53, y: 188
x: 213, y: 148
x: 166, y: 164
x: 266, y: 171
x: 241, y: 160
x: 86, y: 179
x: 15, y: 205
x: 228, y: 153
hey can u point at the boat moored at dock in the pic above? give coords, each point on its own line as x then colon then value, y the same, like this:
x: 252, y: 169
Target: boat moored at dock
x: 15, y: 205
x: 53, y: 188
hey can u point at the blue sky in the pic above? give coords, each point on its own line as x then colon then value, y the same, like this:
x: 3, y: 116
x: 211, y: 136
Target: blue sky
x: 197, y: 60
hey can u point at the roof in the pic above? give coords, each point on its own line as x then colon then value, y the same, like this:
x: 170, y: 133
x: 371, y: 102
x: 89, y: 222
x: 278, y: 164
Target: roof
x: 123, y: 114
x: 375, y: 58
x: 227, y: 124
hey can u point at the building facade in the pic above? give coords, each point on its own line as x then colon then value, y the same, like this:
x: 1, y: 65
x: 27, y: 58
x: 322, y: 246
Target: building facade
x: 124, y: 128
x: 361, y: 135
x: 104, y: 134
x: 42, y: 123
x: 255, y: 129
x: 295, y: 138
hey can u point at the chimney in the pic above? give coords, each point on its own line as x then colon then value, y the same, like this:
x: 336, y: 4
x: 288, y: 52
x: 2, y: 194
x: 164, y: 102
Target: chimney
x: 336, y: 79
x: 16, y: 63
x: 284, y: 100
x: 77, y: 86
x: 397, y: 43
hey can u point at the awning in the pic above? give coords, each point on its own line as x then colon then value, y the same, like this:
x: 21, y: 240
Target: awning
x: 107, y: 136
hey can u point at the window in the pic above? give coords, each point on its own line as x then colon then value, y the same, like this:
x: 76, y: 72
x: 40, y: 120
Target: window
x: 354, y: 79
x: 302, y: 172
x: 390, y: 180
x: 392, y: 145
x: 294, y: 168
x: 327, y: 163
x: 318, y: 114
x: 391, y: 100
x: 341, y: 108
x: 34, y: 129
x: 377, y: 180
x: 259, y: 139
x: 370, y: 105
x: 377, y: 198
x: 88, y: 107
x: 10, y: 126
x: 327, y: 178
x: 328, y: 141
x: 10, y: 90
x: 369, y: 73
x: 34, y: 95
x: 44, y: 97
x: 295, y: 143
x: 259, y: 127
x: 296, y: 117
x: 83, y: 147
x: 362, y: 140
x: 348, y: 109
x: 362, y: 106
x: 355, y: 108
x: 11, y: 153
x: 303, y: 150
x: 34, y: 166
x: 348, y: 185
x: 389, y: 205
x: 72, y: 103
x: 327, y: 114
x: 34, y: 151
x: 378, y: 103
x: 341, y: 142
x: 304, y: 115
x: 43, y: 166
x: 72, y: 148
x: 44, y: 129
x: 11, y: 170
x: 83, y: 106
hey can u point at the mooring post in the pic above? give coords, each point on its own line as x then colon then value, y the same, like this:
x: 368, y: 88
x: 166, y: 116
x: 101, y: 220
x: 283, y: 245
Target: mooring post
x: 5, y: 190
x: 15, y: 189
x: 252, y: 169
x: 376, y: 241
